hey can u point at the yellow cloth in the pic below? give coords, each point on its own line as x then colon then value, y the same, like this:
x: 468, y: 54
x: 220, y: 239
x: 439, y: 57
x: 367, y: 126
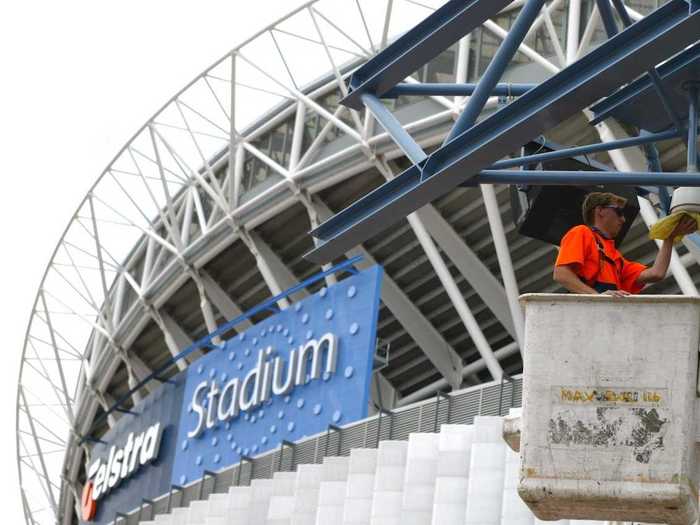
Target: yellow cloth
x: 663, y: 228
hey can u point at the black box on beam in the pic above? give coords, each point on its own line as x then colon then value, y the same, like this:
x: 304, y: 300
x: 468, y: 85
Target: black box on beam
x: 548, y: 212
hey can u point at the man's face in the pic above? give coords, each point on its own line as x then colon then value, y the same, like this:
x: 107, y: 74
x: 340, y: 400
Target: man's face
x: 611, y: 218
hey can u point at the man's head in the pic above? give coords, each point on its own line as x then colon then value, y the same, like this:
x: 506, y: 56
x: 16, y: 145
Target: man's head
x: 605, y: 211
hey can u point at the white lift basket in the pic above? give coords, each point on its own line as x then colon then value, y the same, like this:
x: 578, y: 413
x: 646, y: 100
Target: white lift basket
x: 608, y: 428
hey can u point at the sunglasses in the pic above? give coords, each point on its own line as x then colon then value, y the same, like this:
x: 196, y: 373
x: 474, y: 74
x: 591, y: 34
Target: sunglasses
x: 617, y: 209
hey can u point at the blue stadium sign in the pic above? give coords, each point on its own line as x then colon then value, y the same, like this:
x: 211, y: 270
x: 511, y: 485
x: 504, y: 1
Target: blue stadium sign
x: 290, y: 376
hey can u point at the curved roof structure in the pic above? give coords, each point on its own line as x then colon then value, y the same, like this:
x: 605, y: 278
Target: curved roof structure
x: 204, y: 213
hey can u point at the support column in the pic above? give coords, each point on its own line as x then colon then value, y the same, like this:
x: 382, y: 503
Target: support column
x: 468, y: 370
x: 451, y: 288
x: 316, y: 217
x: 573, y: 28
x: 462, y: 73
x: 693, y: 108
x: 382, y: 394
x: 460, y: 305
x: 40, y: 454
x: 429, y: 340
x: 223, y: 302
x: 469, y: 265
x: 276, y: 275
x: 504, y: 260
x: 205, y: 305
x: 103, y: 399
x: 177, y: 342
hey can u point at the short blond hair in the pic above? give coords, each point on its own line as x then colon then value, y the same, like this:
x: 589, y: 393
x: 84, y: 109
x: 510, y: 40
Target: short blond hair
x: 598, y: 198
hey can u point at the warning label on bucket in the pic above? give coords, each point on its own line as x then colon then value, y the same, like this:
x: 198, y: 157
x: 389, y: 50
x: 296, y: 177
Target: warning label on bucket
x: 607, y: 396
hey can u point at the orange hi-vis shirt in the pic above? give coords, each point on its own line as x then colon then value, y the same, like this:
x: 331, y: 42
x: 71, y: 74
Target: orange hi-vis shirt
x: 578, y: 249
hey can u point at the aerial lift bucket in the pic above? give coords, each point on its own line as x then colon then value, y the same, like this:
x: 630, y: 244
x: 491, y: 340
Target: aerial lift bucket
x: 608, y: 428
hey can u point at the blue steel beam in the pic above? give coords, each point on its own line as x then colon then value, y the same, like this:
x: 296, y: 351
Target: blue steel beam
x: 574, y: 178
x: 680, y: 68
x: 455, y: 90
x: 650, y: 151
x: 693, y: 108
x: 418, y: 46
x: 394, y: 128
x: 564, y: 153
x: 606, y: 14
x: 621, y: 59
x: 497, y: 66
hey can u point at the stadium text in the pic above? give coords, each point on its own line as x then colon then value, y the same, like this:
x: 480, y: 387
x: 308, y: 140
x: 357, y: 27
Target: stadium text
x: 265, y: 380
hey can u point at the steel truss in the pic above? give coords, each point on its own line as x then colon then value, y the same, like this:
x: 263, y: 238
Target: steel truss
x: 183, y: 189
x: 471, y: 147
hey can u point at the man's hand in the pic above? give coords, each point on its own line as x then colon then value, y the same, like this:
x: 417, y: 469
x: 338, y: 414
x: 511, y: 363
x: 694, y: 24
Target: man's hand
x: 685, y: 226
x: 657, y: 272
x: 616, y: 293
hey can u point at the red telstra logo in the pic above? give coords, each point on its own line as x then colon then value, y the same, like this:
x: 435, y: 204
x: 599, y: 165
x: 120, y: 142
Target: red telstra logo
x: 88, y: 505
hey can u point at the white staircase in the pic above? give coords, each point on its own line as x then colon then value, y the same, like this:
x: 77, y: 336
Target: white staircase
x: 282, y: 501
x: 360, y: 487
x: 388, y: 483
x: 452, y: 481
x: 463, y: 475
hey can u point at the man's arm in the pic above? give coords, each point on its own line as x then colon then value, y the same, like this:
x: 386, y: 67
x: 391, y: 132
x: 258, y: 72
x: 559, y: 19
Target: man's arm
x: 564, y: 275
x: 657, y: 271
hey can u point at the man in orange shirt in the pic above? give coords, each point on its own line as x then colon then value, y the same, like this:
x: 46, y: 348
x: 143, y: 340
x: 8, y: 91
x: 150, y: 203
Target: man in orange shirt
x: 589, y: 262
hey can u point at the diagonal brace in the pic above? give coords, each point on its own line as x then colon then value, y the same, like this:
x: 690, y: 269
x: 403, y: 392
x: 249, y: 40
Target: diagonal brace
x: 661, y: 34
x: 418, y: 46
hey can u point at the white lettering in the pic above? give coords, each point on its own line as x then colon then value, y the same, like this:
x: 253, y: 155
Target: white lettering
x: 114, y: 476
x: 135, y: 454
x: 110, y: 459
x: 128, y: 448
x: 231, y: 410
x: 265, y: 390
x: 312, y: 351
x: 250, y: 397
x: 280, y: 388
x: 99, y: 481
x: 151, y: 444
x: 121, y: 462
x: 211, y: 398
x: 197, y: 407
x: 267, y: 378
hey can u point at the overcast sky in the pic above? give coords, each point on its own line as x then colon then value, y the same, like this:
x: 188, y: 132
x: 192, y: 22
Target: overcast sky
x: 78, y: 78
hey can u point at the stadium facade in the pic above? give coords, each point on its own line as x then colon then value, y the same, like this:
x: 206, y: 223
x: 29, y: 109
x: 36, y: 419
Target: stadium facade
x: 205, y: 214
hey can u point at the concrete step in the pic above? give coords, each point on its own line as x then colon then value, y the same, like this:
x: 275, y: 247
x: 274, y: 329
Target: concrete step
x: 218, y: 505
x: 261, y: 493
x: 163, y: 519
x: 419, y: 479
x: 486, y: 472
x: 452, y: 480
x: 180, y: 515
x: 198, y: 512
x: 282, y: 501
x: 513, y: 510
x: 388, y: 483
x: 360, y: 487
x: 306, y: 491
x: 335, y: 468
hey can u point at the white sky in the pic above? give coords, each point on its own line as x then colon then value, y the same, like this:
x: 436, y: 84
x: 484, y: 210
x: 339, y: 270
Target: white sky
x: 77, y: 79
